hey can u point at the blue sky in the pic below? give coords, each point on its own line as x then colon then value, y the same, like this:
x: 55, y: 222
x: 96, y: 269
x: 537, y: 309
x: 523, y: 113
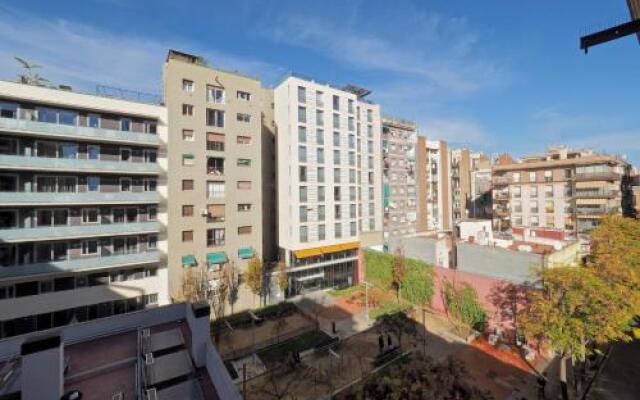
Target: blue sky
x: 498, y: 76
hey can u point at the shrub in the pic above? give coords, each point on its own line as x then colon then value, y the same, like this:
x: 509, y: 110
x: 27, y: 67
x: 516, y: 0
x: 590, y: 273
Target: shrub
x: 464, y: 306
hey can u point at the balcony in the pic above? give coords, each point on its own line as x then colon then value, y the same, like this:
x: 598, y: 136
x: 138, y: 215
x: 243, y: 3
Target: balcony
x: 501, y: 211
x: 77, y: 231
x: 15, y: 199
x: 500, y: 180
x: 45, y: 129
x: 596, y: 211
x: 500, y: 196
x: 28, y: 163
x: 598, y: 176
x: 596, y: 194
x: 85, y: 263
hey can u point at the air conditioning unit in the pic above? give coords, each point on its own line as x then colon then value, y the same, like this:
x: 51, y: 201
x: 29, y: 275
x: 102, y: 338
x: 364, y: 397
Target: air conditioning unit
x: 204, y: 212
x: 117, y: 396
x: 148, y: 359
x: 152, y: 394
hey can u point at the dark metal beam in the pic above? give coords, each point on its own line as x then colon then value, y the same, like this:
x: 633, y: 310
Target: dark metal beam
x: 610, y: 34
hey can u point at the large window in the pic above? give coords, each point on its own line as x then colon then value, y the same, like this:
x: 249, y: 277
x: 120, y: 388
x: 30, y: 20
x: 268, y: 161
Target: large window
x: 302, y: 94
x: 302, y: 154
x: 215, y: 94
x: 304, y: 234
x: 215, y: 166
x: 8, y: 110
x: 53, y: 217
x: 303, y: 194
x: 215, y: 190
x: 215, y: 141
x: 215, y: 118
x: 302, y: 114
x: 215, y: 237
x: 54, y: 116
x: 302, y: 134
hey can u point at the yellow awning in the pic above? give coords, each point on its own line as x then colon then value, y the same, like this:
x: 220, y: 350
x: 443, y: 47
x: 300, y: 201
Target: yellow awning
x: 318, y: 251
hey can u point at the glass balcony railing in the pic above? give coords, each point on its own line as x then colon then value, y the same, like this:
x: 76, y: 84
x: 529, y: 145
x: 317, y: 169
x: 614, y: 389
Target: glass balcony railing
x: 597, y: 210
x: 77, y: 231
x: 84, y: 263
x: 69, y: 164
x: 49, y: 199
x: 596, y: 193
x: 59, y: 130
x: 598, y: 176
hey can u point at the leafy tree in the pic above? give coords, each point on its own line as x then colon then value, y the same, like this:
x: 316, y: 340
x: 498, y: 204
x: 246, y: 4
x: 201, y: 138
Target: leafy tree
x: 254, y: 277
x: 417, y: 287
x: 205, y: 284
x: 398, y: 270
x: 465, y: 308
x: 576, y: 310
x: 422, y: 378
x: 400, y: 323
x: 283, y: 277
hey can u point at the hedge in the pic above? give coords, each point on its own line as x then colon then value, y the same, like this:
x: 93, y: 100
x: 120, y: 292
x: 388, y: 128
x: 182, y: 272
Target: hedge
x: 243, y: 319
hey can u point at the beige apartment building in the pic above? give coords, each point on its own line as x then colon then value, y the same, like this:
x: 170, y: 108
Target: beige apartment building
x: 460, y: 183
x: 82, y: 207
x: 399, y: 141
x: 433, y: 171
x: 329, y: 181
x: 563, y: 190
x: 221, y: 166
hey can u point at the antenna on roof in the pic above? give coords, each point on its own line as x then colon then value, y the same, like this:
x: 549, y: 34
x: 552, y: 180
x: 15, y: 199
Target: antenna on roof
x: 30, y: 77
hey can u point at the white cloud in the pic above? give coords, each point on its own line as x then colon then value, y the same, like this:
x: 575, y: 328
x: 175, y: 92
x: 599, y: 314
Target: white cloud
x: 82, y: 56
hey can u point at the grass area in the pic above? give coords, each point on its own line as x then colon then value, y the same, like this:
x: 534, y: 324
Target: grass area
x: 348, y: 291
x: 388, y: 308
x: 306, y: 341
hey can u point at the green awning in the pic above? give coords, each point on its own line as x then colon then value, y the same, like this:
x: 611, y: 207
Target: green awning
x: 245, y: 252
x: 219, y: 257
x: 189, y: 156
x: 189, y: 260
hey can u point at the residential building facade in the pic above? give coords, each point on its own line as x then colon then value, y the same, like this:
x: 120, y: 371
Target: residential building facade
x: 329, y: 181
x: 481, y: 202
x: 460, y: 184
x: 221, y: 124
x: 434, y: 175
x: 399, y: 140
x: 82, y: 212
x: 562, y: 190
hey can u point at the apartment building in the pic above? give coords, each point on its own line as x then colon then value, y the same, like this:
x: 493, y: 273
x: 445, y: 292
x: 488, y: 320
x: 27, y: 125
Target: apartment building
x: 434, y: 185
x: 399, y: 140
x: 329, y: 181
x: 221, y: 142
x: 81, y: 207
x: 481, y: 203
x: 563, y: 190
x: 460, y: 183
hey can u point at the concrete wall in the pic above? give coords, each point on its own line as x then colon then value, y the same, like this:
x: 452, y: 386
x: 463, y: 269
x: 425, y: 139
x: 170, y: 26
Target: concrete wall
x: 508, y: 265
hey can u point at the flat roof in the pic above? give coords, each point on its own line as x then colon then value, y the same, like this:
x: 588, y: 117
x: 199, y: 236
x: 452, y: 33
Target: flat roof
x: 586, y: 160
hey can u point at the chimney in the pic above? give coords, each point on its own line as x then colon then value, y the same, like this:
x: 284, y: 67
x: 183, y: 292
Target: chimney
x: 42, y: 368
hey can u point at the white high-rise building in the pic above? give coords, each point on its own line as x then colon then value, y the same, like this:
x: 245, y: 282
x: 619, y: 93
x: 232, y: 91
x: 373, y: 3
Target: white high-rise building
x: 329, y: 181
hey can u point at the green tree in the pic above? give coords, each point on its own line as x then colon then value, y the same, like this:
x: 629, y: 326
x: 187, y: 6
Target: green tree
x: 254, y: 277
x: 417, y: 287
x: 283, y: 277
x: 576, y: 310
x: 464, y: 306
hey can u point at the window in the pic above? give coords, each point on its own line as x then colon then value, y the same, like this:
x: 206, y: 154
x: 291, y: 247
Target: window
x: 336, y: 138
x: 187, y: 86
x: 243, y: 140
x: 152, y: 213
x: 548, y: 190
x: 352, y: 193
x: 336, y: 121
x: 352, y: 158
x: 150, y: 127
x: 352, y: 228
x: 303, y: 194
x: 302, y: 114
x: 188, y: 160
x: 369, y: 131
x: 516, y: 191
x: 215, y: 166
x: 319, y: 136
x: 304, y: 217
x: 93, y: 183
x: 350, y: 106
x: 515, y: 177
x: 302, y: 94
x: 187, y: 236
x: 336, y: 175
x: 187, y: 135
x: 351, y: 124
x: 215, y: 190
x: 56, y: 217
x: 215, y: 94
x: 187, y: 109
x: 320, y: 176
x: 369, y: 116
x: 302, y: 134
x: 319, y: 100
x: 245, y: 96
x: 320, y: 156
x: 187, y: 210
x: 215, y: 212
x: 304, y: 234
x: 244, y: 230
x: 336, y: 157
x: 150, y: 156
x: 244, y: 162
x: 370, y: 162
x: 548, y: 176
x: 532, y: 176
x: 8, y: 110
x: 352, y: 210
x: 90, y: 215
x: 533, y: 220
x: 215, y: 141
x: 244, y: 185
x: 321, y: 213
x: 89, y: 247
x: 187, y: 184
x: 302, y: 173
x: 322, y: 234
x: 338, y: 230
x: 215, y: 237
x: 215, y: 118
x: 352, y: 176
x: 352, y: 141
x: 125, y: 184
x: 533, y: 191
x: 241, y: 117
x: 370, y: 146
x: 302, y: 154
x: 244, y: 207
x: 336, y: 102
x: 8, y: 146
x: 336, y: 193
x: 319, y: 117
